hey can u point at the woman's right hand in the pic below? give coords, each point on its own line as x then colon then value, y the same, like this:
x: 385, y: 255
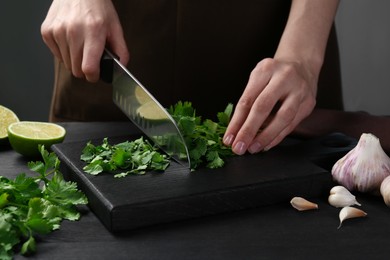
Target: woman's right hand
x: 77, y: 31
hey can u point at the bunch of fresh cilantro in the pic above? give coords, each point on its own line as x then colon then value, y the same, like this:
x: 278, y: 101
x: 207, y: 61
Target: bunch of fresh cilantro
x: 31, y: 206
x: 203, y: 140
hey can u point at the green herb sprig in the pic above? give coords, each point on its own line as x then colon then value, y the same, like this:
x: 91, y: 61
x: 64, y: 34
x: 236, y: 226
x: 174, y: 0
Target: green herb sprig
x: 203, y: 138
x: 31, y: 206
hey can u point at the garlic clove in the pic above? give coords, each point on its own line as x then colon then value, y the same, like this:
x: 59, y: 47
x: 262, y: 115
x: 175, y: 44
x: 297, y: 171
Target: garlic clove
x: 302, y: 204
x: 350, y: 212
x: 342, y: 200
x: 339, y: 189
x: 341, y: 197
x: 385, y: 190
x: 364, y: 167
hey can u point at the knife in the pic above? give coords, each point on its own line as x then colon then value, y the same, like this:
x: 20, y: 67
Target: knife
x: 143, y: 109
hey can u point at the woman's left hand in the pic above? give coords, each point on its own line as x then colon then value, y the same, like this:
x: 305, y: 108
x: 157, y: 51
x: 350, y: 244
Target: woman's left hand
x: 279, y: 95
x: 281, y: 91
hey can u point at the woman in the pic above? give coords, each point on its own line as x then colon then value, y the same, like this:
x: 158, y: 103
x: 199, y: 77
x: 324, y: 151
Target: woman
x: 264, y: 56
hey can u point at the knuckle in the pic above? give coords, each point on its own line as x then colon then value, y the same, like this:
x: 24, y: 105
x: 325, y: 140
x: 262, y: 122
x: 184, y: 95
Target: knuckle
x: 94, y: 23
x: 52, y: 31
x: 77, y: 73
x: 311, y: 103
x: 58, y: 31
x: 45, y: 31
x: 287, y: 115
x: 88, y: 70
x: 264, y: 65
x: 264, y: 105
x: 288, y: 71
x: 72, y: 32
x: 246, y: 133
x: 309, y: 106
x: 264, y: 138
x: 73, y: 27
x: 245, y: 103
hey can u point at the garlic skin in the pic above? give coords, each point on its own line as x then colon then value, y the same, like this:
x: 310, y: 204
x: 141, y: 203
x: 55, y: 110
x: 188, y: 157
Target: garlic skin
x: 364, y: 167
x: 341, y: 197
x: 302, y: 204
x: 339, y: 190
x: 350, y: 212
x: 385, y: 190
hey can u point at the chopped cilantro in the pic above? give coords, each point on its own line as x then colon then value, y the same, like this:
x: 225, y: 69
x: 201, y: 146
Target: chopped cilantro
x: 130, y: 157
x: 203, y: 140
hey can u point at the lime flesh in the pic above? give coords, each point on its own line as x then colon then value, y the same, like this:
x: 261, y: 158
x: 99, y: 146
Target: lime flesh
x: 7, y: 117
x: 151, y: 111
x: 25, y: 136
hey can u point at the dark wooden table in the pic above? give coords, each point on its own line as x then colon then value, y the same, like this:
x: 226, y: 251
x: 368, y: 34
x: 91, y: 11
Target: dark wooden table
x: 269, y: 232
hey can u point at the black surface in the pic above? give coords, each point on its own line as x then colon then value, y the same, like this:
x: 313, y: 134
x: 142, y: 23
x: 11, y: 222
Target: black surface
x: 244, y: 182
x: 269, y: 232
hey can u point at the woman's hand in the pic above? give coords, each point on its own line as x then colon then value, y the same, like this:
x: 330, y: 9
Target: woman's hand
x: 77, y: 31
x: 281, y: 91
x: 278, y: 96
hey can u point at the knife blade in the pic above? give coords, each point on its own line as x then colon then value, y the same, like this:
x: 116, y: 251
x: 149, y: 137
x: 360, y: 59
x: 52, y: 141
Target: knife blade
x: 143, y: 109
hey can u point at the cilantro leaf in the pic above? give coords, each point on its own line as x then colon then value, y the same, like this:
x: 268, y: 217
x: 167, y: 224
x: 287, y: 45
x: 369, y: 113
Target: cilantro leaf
x: 94, y: 167
x: 65, y: 196
x: 214, y: 160
x: 37, y: 220
x: 29, y: 246
x: 224, y: 117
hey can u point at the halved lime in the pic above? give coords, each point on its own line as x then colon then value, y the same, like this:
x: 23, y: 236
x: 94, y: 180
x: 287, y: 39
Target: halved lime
x: 151, y: 111
x: 141, y: 95
x: 7, y: 117
x: 25, y: 136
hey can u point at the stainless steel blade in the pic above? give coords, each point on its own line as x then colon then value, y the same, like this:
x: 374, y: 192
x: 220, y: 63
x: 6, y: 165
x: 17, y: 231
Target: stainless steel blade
x: 147, y: 113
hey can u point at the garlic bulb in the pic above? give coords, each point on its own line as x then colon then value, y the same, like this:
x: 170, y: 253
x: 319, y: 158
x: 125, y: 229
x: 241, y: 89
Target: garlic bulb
x: 341, y: 197
x: 385, y: 190
x: 350, y: 212
x: 302, y: 204
x: 364, y: 167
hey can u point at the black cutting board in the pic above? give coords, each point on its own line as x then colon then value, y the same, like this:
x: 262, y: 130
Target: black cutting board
x: 294, y: 168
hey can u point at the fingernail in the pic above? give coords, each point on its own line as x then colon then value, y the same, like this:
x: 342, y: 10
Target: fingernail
x: 228, y: 140
x: 239, y: 148
x: 255, y: 147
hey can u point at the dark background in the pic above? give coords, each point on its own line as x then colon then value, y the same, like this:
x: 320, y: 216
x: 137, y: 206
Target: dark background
x: 26, y: 67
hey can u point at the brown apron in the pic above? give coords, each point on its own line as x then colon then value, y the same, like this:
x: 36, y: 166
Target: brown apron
x: 191, y: 50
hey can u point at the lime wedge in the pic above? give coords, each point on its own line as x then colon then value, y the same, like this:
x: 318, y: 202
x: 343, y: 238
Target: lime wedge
x: 7, y: 117
x: 25, y: 136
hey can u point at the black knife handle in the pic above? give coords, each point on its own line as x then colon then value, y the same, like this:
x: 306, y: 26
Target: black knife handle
x: 106, y: 67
